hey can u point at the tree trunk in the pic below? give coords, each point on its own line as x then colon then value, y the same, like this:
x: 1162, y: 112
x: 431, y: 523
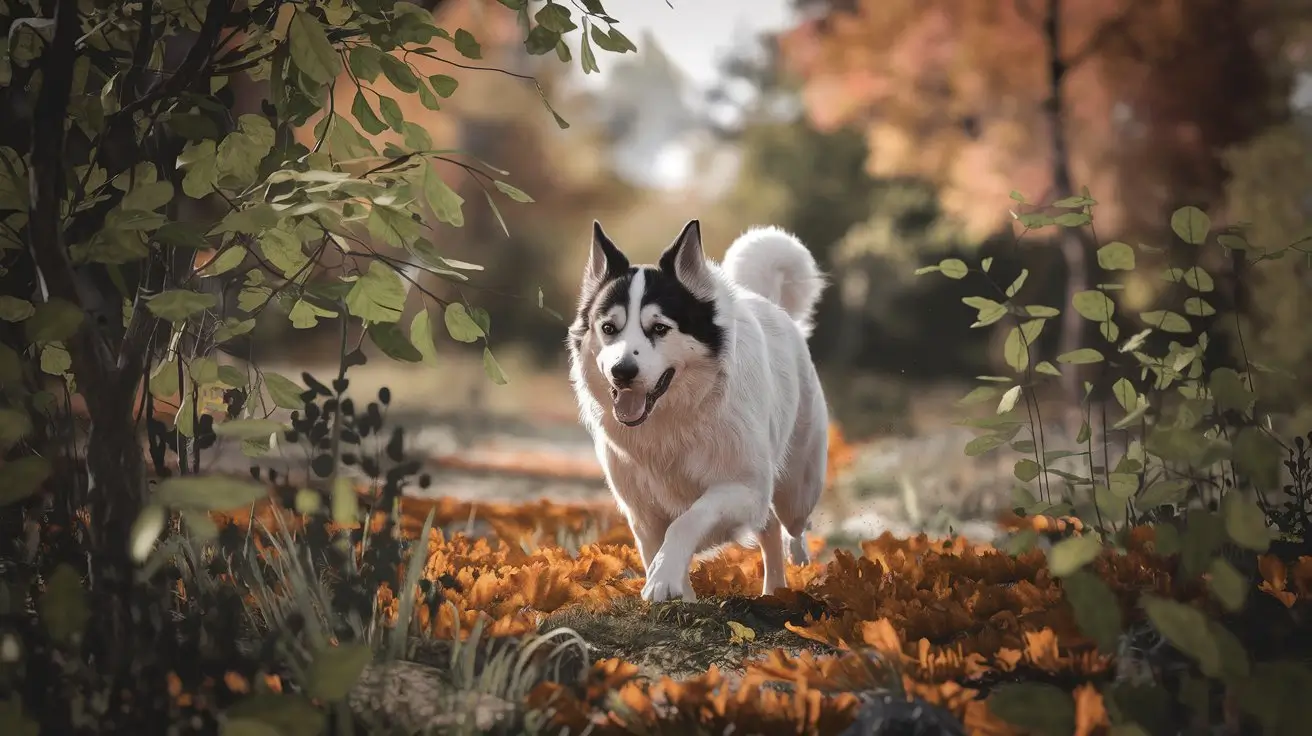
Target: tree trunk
x: 1070, y: 240
x: 114, y: 460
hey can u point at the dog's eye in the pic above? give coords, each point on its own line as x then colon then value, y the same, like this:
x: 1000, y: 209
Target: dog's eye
x: 608, y: 329
x: 660, y: 328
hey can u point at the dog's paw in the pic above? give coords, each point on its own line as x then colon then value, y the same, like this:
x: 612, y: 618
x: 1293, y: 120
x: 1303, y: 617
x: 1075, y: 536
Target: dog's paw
x: 665, y: 582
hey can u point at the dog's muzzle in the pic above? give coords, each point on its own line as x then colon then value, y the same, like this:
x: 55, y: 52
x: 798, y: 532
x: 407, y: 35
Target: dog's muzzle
x: 631, y: 406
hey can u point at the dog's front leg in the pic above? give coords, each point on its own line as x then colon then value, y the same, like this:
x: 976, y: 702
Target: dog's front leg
x: 720, y: 509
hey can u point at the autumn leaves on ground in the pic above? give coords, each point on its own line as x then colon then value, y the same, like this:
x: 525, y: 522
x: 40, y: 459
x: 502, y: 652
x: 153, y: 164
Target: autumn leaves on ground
x: 946, y: 620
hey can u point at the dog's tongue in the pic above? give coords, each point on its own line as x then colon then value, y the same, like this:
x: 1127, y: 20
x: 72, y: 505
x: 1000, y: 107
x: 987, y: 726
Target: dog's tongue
x: 630, y: 405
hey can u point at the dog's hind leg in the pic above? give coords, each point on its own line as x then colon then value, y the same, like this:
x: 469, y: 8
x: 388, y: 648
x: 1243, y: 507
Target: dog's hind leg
x: 772, y: 552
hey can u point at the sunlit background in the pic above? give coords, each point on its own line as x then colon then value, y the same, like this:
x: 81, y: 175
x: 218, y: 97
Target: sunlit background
x: 887, y: 134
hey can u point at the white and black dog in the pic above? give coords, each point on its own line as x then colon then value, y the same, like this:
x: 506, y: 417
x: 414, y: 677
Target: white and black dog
x: 697, y: 386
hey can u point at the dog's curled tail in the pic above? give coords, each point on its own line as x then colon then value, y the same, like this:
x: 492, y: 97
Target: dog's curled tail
x: 775, y: 264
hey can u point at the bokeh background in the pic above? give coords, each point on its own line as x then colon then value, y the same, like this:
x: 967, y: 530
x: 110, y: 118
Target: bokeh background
x: 887, y: 134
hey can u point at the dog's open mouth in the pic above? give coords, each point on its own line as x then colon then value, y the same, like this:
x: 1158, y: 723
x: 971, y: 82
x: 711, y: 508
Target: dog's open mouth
x: 632, y: 406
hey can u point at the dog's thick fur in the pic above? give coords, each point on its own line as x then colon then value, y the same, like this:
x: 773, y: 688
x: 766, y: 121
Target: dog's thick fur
x: 698, y: 388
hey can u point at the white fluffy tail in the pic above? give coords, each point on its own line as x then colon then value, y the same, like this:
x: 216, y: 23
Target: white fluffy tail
x: 775, y: 264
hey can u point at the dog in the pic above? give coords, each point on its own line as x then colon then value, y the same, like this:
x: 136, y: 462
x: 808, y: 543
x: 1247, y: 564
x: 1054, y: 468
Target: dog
x: 698, y: 388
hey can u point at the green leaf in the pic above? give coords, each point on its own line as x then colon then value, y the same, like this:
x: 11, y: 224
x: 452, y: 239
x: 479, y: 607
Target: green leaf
x: 989, y: 311
x: 311, y: 51
x: 1037, y: 708
x: 304, y: 314
x: 460, y: 325
x: 249, y: 220
x: 231, y: 376
x: 1026, y: 470
x: 399, y: 74
x: 1185, y: 627
x: 1198, y: 279
x: 1039, y: 310
x: 1109, y: 331
x: 1163, y: 492
x: 1204, y: 533
x: 63, y: 606
x: 1073, y: 219
x: 378, y: 295
x: 467, y: 45
x: 364, y: 114
x: 1259, y: 457
x: 23, y: 478
x: 1016, y: 348
x: 1080, y: 357
x: 1229, y: 392
x: 147, y: 197
x: 164, y: 380
x: 1070, y: 555
x: 14, y: 426
x: 978, y: 395
x: 283, y: 391
x: 365, y: 62
x: 1191, y: 224
x: 1228, y: 585
x: 176, y: 305
x: 1245, y: 523
x: 282, y: 249
x: 204, y: 370
x: 443, y: 200
x: 145, y: 531
x: 335, y: 671
x: 13, y: 309
x: 208, y: 492
x: 1097, y: 612
x: 392, y: 341
x: 953, y: 268
x: 556, y: 18
x: 11, y: 368
x: 55, y: 360
x: 392, y: 113
x: 1093, y: 305
x: 541, y: 40
x: 492, y: 368
x: 392, y: 226
x: 53, y: 321
x: 1009, y: 399
x: 1116, y: 256
x: 227, y: 259
x: 1125, y: 394
x: 443, y: 85
x: 1198, y: 307
x: 421, y: 336
x: 985, y: 443
x: 1016, y: 285
x: 511, y: 191
x: 237, y: 159
x: 1047, y: 368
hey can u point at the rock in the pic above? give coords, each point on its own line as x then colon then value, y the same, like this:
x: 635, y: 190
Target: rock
x: 885, y: 714
x: 409, y: 697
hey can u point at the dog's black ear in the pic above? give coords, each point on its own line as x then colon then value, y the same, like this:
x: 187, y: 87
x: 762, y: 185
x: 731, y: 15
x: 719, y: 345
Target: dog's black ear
x: 686, y: 261
x: 605, y: 261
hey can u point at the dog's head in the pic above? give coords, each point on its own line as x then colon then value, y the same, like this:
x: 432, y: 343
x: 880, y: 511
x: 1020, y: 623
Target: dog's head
x: 647, y: 330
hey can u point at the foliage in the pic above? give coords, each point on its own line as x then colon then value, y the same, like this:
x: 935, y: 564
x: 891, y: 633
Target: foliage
x: 165, y: 223
x: 974, y: 122
x: 1174, y: 438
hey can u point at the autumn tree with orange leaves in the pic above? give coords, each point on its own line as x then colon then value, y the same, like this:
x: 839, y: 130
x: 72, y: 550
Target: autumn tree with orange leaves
x: 1130, y: 98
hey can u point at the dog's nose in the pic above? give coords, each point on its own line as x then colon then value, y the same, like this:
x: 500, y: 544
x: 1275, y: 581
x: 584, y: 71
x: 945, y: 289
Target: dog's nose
x: 624, y: 372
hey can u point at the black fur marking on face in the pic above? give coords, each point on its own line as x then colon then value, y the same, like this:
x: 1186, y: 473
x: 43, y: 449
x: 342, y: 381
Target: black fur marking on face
x: 608, y: 293
x: 694, y: 317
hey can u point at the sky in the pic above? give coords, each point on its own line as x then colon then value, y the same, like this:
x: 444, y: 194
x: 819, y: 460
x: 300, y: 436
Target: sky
x: 695, y: 33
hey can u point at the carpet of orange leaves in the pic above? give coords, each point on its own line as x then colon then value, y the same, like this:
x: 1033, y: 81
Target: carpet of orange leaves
x: 947, y: 613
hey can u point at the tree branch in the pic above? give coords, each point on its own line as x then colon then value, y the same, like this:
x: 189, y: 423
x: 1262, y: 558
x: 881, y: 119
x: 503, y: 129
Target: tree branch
x: 46, y: 186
